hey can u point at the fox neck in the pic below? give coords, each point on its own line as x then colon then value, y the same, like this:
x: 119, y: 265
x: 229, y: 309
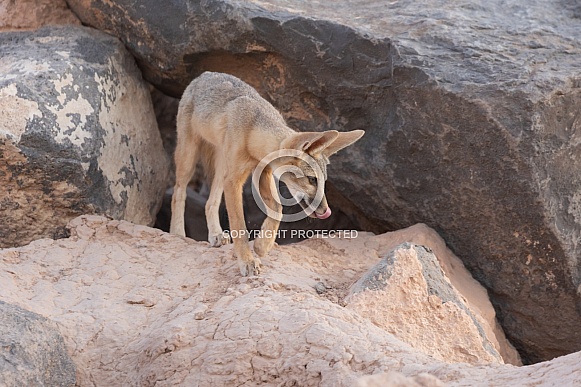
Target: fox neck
x: 262, y: 143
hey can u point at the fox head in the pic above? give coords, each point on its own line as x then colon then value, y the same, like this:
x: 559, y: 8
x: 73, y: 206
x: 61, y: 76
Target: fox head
x: 307, y: 172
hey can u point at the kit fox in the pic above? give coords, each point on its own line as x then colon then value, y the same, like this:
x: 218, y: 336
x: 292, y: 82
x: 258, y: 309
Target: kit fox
x: 226, y: 124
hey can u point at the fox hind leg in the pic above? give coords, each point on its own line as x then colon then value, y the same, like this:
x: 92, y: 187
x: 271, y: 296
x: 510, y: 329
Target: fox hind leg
x: 186, y: 158
x: 216, y: 236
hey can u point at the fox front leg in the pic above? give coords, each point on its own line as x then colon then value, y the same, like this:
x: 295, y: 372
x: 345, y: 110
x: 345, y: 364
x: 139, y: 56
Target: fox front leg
x: 267, y: 189
x: 249, y: 265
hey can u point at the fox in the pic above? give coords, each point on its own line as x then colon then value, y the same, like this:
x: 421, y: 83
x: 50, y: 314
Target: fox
x: 228, y: 126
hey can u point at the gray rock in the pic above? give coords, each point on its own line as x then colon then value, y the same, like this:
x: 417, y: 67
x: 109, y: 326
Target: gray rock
x: 321, y: 288
x: 470, y: 111
x: 32, y: 350
x: 77, y: 134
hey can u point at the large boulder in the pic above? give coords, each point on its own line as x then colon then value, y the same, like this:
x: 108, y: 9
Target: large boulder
x: 32, y: 350
x: 137, y: 306
x: 428, y: 276
x: 77, y: 133
x: 408, y: 295
x: 471, y: 115
x: 32, y: 14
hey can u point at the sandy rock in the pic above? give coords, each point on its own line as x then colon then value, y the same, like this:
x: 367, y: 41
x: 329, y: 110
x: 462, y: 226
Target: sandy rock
x: 33, y: 14
x: 472, y: 293
x: 77, y: 133
x: 32, y: 351
x: 470, y: 111
x: 137, y: 306
x: 396, y: 379
x: 408, y: 295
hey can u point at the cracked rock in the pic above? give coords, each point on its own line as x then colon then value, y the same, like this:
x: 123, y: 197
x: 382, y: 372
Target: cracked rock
x: 208, y: 326
x: 408, y: 294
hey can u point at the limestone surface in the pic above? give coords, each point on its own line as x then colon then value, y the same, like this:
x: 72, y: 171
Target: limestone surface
x: 137, y: 306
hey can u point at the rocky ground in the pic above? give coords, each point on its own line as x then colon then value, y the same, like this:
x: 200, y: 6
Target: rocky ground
x: 471, y: 113
x: 137, y: 306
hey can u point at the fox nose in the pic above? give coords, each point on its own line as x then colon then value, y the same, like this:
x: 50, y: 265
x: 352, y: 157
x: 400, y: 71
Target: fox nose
x: 324, y: 215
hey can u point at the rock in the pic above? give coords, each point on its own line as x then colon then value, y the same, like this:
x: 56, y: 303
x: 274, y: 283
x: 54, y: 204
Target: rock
x: 320, y: 287
x: 166, y: 110
x: 138, y: 306
x: 396, y: 379
x: 408, y: 295
x: 470, y: 114
x: 33, y: 14
x: 473, y: 295
x: 32, y: 351
x: 77, y: 134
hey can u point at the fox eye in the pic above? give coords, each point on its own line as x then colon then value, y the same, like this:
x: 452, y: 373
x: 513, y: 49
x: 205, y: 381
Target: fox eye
x: 312, y: 180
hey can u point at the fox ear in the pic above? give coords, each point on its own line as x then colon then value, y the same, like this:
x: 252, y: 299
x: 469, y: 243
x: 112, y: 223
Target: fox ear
x: 311, y: 142
x: 344, y: 139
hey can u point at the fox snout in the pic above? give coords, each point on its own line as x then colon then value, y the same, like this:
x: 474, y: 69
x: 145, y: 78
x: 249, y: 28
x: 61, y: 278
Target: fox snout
x: 323, y: 211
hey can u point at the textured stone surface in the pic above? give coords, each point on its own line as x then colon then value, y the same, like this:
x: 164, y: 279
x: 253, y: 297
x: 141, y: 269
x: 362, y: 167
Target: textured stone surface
x: 32, y: 14
x: 32, y: 350
x: 470, y: 110
x: 137, y: 306
x: 408, y: 294
x: 400, y: 304
x: 77, y: 133
x: 396, y: 379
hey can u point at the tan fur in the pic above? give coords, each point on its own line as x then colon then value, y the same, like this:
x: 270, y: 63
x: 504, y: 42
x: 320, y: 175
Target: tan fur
x: 227, y: 125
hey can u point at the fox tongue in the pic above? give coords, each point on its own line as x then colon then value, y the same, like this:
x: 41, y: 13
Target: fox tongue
x: 325, y: 215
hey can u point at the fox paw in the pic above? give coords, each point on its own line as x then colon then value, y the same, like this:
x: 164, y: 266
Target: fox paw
x: 218, y: 240
x: 250, y: 268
